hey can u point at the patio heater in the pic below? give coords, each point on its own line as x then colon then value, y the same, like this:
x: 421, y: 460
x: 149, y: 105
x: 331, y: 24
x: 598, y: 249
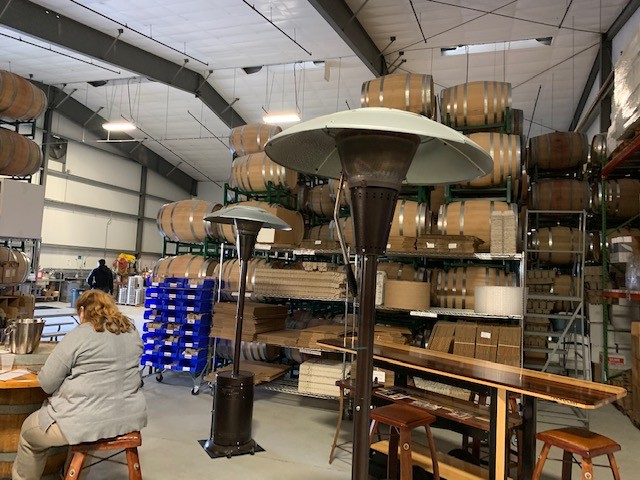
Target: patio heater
x: 375, y: 150
x: 233, y: 400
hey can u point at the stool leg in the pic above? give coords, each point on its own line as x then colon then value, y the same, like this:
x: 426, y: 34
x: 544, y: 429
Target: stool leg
x: 434, y: 454
x: 614, y: 466
x: 587, y: 469
x: 567, y: 465
x: 75, y: 466
x: 519, y: 452
x: 373, y: 430
x: 338, y: 427
x: 392, y: 459
x: 133, y: 463
x: 406, y: 464
x: 541, y: 459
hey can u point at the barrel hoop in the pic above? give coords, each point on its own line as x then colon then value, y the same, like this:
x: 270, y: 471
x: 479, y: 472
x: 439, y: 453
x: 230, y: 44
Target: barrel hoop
x: 363, y: 99
x: 203, y: 268
x: 518, y: 158
x: 15, y: 89
x: 381, y: 94
x: 187, y: 268
x: 208, y: 226
x: 19, y: 409
x: 174, y: 235
x: 407, y: 90
x: 486, y: 101
x: 504, y: 155
x: 462, y: 204
x: 401, y: 218
x: 427, y: 108
x: 191, y: 225
x: 464, y: 105
x: 464, y: 288
x: 159, y: 220
x: 263, y: 169
x: 259, y: 136
x: 618, y: 197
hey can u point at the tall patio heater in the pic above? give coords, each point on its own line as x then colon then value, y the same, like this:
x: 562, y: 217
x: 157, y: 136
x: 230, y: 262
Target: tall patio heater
x: 375, y: 150
x: 233, y: 400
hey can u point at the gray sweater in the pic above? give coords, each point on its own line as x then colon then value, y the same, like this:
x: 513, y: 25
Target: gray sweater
x: 94, y: 383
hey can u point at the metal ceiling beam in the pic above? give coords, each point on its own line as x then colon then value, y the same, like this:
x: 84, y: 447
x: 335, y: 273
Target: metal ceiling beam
x: 614, y: 29
x: 44, y: 23
x: 338, y: 14
x: 92, y: 122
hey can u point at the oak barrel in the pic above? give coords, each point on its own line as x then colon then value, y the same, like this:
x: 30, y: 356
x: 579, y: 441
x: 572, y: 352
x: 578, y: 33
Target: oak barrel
x: 253, y: 172
x: 345, y: 198
x: 455, y: 288
x: 184, y: 266
x: 437, y: 198
x: 320, y: 201
x: 506, y: 153
x: 471, y: 217
x: 14, y: 266
x: 19, y: 155
x: 252, y: 351
x: 623, y: 197
x: 183, y: 221
x: 412, y: 92
x: 16, y: 404
x: 557, y: 242
x: 476, y: 103
x: 280, y: 237
x: 557, y: 151
x: 411, y: 219
x: 319, y: 232
x: 598, y: 151
x: 251, y: 138
x: 231, y: 273
x: 328, y: 231
x: 403, y: 271
x: 560, y: 194
x: 19, y: 98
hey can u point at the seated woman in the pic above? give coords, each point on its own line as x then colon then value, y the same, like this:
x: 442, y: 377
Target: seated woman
x: 93, y: 378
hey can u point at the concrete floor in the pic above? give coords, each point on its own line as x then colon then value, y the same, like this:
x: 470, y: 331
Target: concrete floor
x: 296, y: 433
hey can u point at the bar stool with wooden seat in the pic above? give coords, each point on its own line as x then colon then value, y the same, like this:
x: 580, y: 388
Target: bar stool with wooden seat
x: 578, y: 441
x: 401, y: 419
x: 128, y: 443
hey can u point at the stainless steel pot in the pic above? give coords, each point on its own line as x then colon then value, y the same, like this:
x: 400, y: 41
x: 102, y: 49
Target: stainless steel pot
x: 24, y: 335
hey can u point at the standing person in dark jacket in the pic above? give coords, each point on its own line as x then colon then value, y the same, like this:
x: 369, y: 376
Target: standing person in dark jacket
x: 101, y: 278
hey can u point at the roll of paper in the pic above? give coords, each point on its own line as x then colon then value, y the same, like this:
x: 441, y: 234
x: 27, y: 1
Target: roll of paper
x: 499, y: 300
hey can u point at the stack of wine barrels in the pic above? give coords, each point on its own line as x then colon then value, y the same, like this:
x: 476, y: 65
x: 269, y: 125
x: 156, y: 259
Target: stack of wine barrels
x: 185, y: 266
x: 455, y: 288
x: 412, y: 92
x: 19, y: 100
x: 15, y: 266
x: 556, y: 244
x: 183, y: 221
x: 622, y: 198
x: 230, y: 273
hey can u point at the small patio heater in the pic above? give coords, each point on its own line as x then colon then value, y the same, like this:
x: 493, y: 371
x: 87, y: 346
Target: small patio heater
x: 233, y: 400
x: 375, y: 150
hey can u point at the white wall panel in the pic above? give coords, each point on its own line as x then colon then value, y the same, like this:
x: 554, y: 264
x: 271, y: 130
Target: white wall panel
x: 77, y: 193
x: 161, y: 187
x: 151, y: 239
x: 54, y: 258
x: 211, y: 192
x: 622, y: 39
x: 66, y: 227
x: 87, y: 162
x: 151, y: 207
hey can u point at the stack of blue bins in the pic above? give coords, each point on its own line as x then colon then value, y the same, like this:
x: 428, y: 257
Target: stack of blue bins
x: 178, y: 313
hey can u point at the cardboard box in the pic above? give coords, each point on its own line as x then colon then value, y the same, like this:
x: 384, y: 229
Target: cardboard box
x: 465, y: 340
x: 407, y: 295
x: 487, y: 342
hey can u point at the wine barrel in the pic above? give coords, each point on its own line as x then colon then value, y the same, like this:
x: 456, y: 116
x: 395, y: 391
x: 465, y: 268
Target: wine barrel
x: 412, y: 92
x: 19, y: 98
x: 623, y: 198
x: 598, y: 151
x: 476, y: 104
x: 319, y: 232
x: 411, y: 219
x: 506, y: 153
x: 19, y: 155
x: 184, y: 266
x: 293, y: 218
x: 403, y: 271
x: 520, y: 188
x: 345, y: 198
x: 16, y: 404
x: 455, y: 288
x: 557, y: 151
x: 231, y: 273
x: 183, y: 221
x: 252, y: 351
x: 346, y: 225
x: 319, y: 200
x: 437, y: 198
x: 560, y: 194
x: 471, y: 217
x: 14, y: 265
x: 251, y: 138
x: 557, y: 242
x: 253, y: 172
x: 517, y: 121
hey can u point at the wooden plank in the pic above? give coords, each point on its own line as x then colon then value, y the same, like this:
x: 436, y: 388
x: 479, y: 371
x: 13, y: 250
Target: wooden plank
x: 451, y: 468
x: 555, y: 388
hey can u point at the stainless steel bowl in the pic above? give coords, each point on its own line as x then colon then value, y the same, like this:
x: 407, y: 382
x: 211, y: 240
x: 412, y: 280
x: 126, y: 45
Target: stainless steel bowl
x: 24, y: 335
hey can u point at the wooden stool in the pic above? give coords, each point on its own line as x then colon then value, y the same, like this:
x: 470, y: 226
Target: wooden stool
x: 402, y: 419
x: 344, y: 384
x: 579, y: 441
x: 128, y: 442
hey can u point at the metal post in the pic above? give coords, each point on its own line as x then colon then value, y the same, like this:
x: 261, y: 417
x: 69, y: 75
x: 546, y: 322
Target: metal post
x: 364, y: 370
x: 240, y: 315
x: 142, y: 198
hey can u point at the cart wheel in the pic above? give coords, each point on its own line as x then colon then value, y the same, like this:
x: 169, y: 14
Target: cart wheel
x: 141, y: 383
x: 195, y: 390
x: 159, y: 377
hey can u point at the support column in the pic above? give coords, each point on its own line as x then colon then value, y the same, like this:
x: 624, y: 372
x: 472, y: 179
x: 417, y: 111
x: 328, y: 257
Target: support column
x: 142, y: 200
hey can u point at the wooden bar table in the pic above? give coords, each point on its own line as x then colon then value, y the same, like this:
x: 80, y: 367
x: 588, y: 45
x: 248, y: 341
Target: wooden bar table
x: 499, y: 380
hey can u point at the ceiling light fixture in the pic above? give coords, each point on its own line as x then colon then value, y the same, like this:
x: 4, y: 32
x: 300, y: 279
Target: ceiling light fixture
x: 119, y: 126
x: 290, y: 117
x: 496, y: 46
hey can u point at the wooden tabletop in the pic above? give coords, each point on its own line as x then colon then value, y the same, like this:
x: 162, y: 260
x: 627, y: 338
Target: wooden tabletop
x: 28, y: 380
x: 556, y: 388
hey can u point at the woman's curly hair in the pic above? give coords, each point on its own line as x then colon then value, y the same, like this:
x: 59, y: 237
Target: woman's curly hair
x: 101, y: 311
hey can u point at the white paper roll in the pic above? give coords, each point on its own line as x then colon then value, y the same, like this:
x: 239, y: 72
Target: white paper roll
x: 499, y: 300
